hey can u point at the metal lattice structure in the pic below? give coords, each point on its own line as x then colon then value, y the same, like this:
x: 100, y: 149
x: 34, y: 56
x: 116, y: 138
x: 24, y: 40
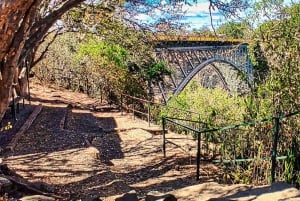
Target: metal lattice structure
x: 186, y: 59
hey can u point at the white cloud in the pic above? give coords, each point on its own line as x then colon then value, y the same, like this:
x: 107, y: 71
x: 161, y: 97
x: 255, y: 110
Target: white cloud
x: 142, y: 17
x: 196, y: 15
x: 197, y: 9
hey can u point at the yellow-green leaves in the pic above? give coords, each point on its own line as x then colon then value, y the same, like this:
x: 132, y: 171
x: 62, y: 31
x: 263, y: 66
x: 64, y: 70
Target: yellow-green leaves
x: 109, y: 53
x: 215, y: 106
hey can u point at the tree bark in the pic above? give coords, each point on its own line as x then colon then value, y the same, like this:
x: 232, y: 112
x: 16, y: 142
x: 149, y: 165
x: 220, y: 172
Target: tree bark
x: 13, y: 38
x: 11, y: 14
x: 21, y: 31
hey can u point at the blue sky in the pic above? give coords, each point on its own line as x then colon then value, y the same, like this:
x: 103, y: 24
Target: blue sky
x: 195, y: 15
x: 198, y: 16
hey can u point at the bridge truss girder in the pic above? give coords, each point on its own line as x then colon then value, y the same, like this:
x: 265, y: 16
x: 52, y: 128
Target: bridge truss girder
x: 186, y: 62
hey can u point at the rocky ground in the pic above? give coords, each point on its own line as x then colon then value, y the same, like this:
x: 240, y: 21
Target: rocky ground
x: 81, y: 149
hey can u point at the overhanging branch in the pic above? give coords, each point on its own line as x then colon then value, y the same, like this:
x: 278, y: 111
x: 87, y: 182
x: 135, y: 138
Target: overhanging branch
x: 45, y: 50
x: 42, y: 26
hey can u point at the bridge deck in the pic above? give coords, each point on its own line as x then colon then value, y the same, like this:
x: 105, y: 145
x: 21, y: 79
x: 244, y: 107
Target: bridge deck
x: 191, y: 40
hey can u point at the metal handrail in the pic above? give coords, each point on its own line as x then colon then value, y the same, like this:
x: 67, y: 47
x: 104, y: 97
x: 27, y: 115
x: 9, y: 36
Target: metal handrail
x: 198, y: 132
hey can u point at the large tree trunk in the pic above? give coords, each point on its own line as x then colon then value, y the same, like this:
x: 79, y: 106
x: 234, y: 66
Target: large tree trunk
x: 13, y: 34
x: 22, y: 28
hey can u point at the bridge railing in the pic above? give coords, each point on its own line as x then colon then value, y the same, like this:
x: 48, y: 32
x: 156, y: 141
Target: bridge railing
x: 257, y: 151
x: 151, y: 111
x: 195, y: 38
x: 140, y: 107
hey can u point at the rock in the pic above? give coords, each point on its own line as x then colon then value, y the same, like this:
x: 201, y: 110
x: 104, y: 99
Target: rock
x: 130, y: 196
x: 96, y: 198
x: 157, y: 196
x: 5, y: 185
x: 36, y: 198
x: 42, y: 186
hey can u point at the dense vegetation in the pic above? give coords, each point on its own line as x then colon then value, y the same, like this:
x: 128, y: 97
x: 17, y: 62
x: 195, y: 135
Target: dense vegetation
x: 101, y: 67
x: 116, y: 59
x: 275, y: 55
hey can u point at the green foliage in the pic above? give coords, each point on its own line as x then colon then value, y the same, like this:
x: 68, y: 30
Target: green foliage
x: 259, y: 62
x: 234, y: 30
x: 203, y: 31
x: 275, y: 55
x: 156, y: 70
x: 216, y: 107
x: 109, y: 54
x: 105, y: 62
x: 124, y: 45
x: 84, y: 62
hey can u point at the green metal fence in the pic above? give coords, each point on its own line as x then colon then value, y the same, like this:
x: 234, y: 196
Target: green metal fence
x: 251, y: 152
x: 255, y: 152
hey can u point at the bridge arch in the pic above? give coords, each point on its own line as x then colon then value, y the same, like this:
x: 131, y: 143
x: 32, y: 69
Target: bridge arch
x: 185, y: 60
x: 198, y: 68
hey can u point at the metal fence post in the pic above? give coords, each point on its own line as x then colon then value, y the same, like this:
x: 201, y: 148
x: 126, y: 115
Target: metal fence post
x: 121, y: 104
x: 164, y: 135
x: 101, y: 95
x: 133, y: 107
x: 28, y: 83
x: 199, y: 122
x: 274, y: 149
x: 148, y: 105
x: 198, y: 155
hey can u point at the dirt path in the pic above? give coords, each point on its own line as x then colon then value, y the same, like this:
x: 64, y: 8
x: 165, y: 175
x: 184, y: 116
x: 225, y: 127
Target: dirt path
x: 83, y: 153
x: 83, y: 149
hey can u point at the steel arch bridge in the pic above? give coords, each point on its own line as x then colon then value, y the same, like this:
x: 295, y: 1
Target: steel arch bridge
x: 189, y: 56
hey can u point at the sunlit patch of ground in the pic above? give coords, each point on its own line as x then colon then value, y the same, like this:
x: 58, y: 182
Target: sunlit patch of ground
x: 59, y: 167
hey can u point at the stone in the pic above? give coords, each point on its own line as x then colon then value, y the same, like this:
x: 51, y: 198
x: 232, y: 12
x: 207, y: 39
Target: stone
x: 36, y: 198
x: 42, y: 186
x: 129, y: 196
x: 96, y: 198
x: 157, y: 196
x: 5, y: 185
